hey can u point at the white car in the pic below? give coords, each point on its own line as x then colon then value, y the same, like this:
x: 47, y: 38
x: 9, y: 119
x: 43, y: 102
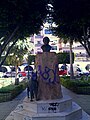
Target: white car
x: 84, y: 71
x: 78, y: 70
x: 5, y: 69
x: 9, y: 74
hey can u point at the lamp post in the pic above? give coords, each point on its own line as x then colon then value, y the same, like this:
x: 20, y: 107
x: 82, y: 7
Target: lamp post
x: 28, y: 68
x: 17, y: 77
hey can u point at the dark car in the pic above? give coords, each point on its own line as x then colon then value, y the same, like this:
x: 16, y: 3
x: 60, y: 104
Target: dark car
x: 63, y: 70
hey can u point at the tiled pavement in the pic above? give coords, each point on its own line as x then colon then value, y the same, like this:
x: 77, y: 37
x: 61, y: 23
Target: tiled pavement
x: 7, y: 107
x: 81, y: 100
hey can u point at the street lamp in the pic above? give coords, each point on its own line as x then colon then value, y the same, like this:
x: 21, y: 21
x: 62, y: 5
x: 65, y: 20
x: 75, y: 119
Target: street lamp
x: 17, y: 77
x: 28, y: 68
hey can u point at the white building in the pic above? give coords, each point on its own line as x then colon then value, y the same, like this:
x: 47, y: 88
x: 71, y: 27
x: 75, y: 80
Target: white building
x: 57, y: 44
x: 78, y: 49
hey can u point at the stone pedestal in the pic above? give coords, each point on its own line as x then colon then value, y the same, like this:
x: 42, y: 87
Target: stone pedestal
x: 48, y: 76
x: 59, y: 109
x: 48, y: 106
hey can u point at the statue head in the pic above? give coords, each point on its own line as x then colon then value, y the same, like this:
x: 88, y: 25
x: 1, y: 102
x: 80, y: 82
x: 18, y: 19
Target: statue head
x: 46, y: 47
x: 46, y: 40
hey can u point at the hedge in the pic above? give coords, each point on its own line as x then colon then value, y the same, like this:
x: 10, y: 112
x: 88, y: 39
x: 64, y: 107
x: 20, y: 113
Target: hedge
x: 78, y: 86
x: 11, y: 91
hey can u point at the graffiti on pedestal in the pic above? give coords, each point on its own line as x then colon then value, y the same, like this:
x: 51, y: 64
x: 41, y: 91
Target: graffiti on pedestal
x: 51, y: 108
x: 45, y: 74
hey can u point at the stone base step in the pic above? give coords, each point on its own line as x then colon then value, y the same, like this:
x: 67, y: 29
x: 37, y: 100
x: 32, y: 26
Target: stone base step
x: 71, y: 114
x: 85, y: 116
x: 58, y: 105
x: 19, y: 108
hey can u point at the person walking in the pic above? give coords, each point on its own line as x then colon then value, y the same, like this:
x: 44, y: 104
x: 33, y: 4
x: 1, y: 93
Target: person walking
x: 28, y: 88
x: 33, y: 86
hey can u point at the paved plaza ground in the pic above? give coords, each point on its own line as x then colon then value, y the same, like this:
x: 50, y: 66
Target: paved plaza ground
x: 7, y: 107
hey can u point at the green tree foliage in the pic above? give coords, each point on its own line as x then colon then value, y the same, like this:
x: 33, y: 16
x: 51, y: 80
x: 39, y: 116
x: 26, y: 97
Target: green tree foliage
x: 72, y: 18
x: 64, y: 58
x: 16, y: 56
x: 17, y: 51
x: 19, y: 19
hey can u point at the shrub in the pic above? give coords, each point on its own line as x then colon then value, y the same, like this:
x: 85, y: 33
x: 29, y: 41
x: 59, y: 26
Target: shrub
x: 11, y: 91
x: 83, y: 90
x: 80, y: 86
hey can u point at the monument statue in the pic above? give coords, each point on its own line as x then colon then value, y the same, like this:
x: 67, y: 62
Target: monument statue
x: 52, y: 105
x: 46, y: 47
x: 49, y: 86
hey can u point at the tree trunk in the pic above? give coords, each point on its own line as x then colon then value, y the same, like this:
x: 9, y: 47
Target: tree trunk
x: 16, y: 77
x: 2, y: 61
x: 71, y: 62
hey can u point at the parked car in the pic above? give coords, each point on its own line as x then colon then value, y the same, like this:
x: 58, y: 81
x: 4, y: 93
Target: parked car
x: 63, y: 69
x: 78, y: 70
x: 5, y: 69
x: 22, y: 74
x: 26, y: 68
x: 62, y: 72
x: 84, y: 71
x: 13, y: 68
x: 9, y: 74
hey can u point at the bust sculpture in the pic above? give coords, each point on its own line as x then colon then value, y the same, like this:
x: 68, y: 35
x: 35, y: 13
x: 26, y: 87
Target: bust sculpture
x: 46, y: 47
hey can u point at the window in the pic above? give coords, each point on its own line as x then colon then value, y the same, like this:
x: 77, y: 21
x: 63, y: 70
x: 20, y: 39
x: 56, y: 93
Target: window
x: 54, y: 47
x: 47, y: 31
x: 38, y: 42
x: 38, y: 36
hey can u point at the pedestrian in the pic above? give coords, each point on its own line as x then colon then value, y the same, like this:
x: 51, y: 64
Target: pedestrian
x: 28, y: 88
x: 33, y: 86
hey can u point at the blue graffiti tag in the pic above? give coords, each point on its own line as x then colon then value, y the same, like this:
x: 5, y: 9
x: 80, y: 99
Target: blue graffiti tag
x: 46, y: 74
